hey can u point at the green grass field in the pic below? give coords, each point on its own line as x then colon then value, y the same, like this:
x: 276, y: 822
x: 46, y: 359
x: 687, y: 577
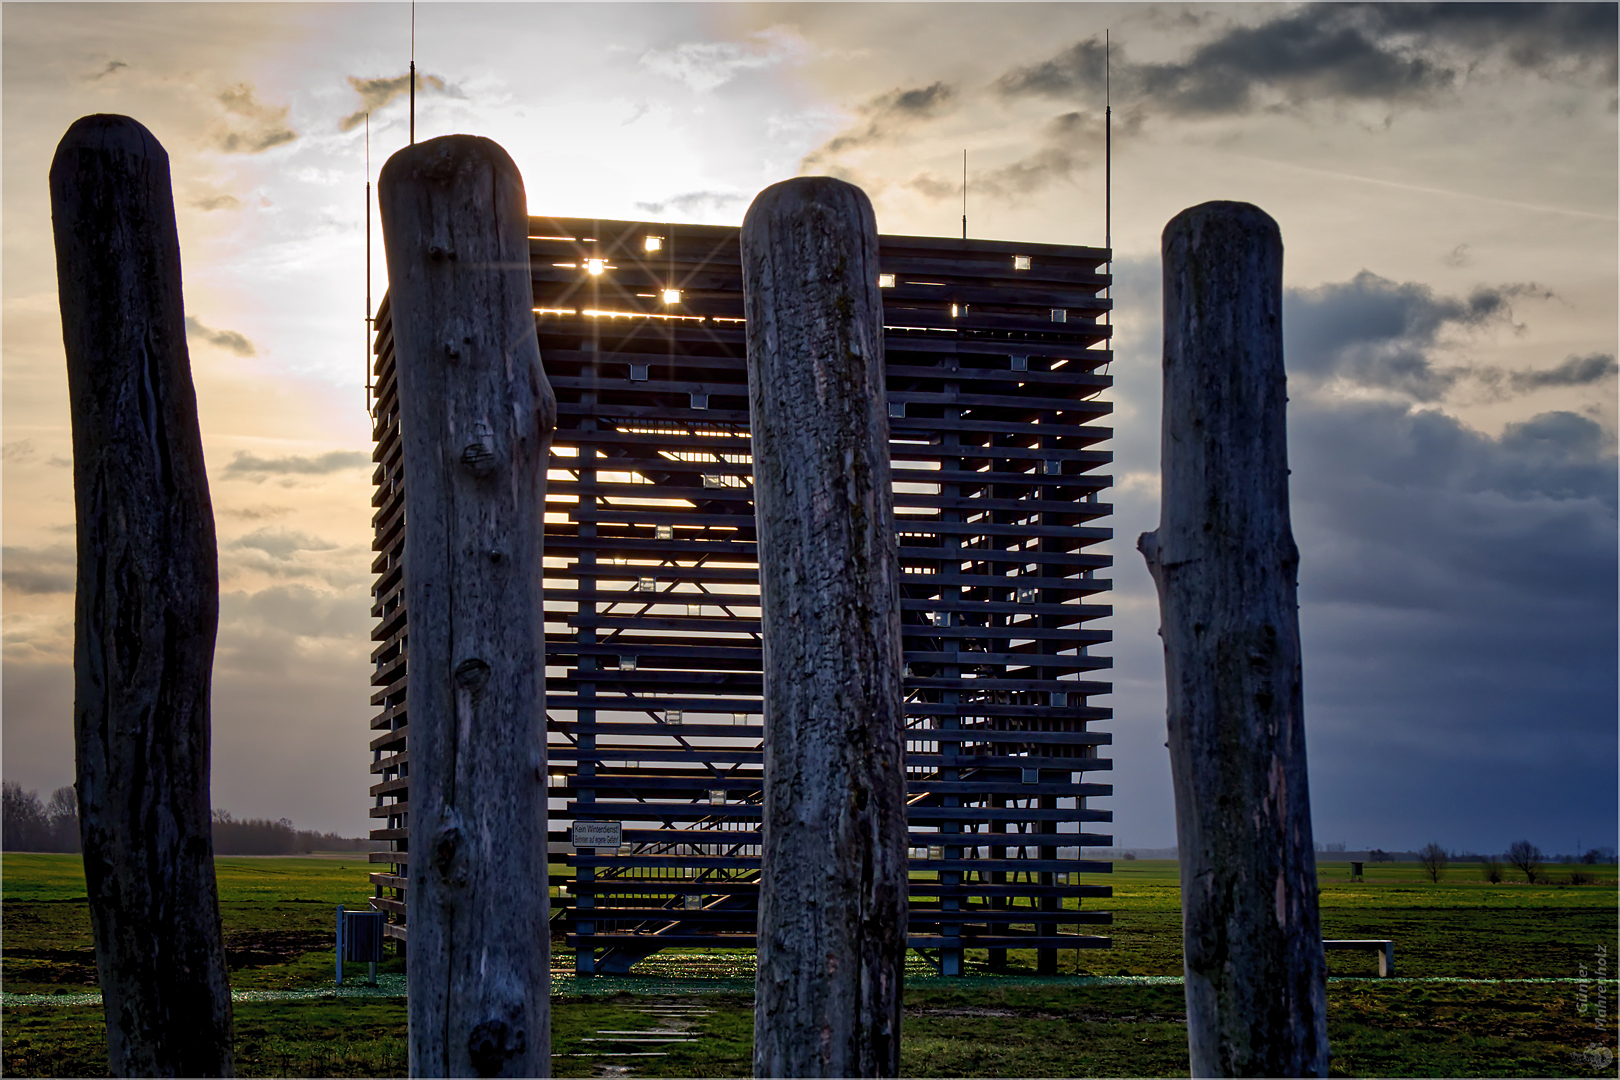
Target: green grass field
x: 1428, y: 1021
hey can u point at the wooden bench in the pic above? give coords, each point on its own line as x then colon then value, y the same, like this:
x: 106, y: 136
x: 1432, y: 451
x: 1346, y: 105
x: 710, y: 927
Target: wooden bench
x: 1384, y: 949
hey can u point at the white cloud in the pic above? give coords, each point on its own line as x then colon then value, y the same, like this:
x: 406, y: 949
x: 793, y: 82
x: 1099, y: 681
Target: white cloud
x: 707, y: 65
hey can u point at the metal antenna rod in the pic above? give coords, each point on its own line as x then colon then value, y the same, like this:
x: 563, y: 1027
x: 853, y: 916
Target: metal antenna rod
x: 368, y: 264
x: 413, y: 72
x: 1108, y: 164
x: 964, y: 193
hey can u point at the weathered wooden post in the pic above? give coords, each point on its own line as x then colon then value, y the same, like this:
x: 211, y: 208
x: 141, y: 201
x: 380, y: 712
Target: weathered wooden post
x: 832, y: 907
x: 1224, y: 561
x: 476, y: 419
x: 146, y: 607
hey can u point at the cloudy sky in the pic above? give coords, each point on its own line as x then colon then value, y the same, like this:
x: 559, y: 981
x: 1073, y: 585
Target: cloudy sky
x: 1445, y: 180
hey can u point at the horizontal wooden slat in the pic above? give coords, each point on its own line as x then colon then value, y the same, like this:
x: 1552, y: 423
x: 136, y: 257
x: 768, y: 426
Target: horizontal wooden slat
x: 971, y: 457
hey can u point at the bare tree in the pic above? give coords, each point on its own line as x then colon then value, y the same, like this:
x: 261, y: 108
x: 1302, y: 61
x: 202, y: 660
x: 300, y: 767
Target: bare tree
x: 1433, y: 857
x: 23, y: 821
x: 62, y: 818
x: 1526, y: 858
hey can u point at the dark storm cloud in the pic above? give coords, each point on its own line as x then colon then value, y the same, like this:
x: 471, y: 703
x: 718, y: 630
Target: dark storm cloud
x: 1456, y: 598
x: 1392, y: 54
x: 375, y: 93
x: 1078, y: 71
x: 1542, y: 38
x: 252, y: 467
x: 39, y: 571
x: 229, y: 340
x: 1382, y: 334
x: 1298, y: 58
x: 1456, y: 590
x: 917, y: 101
x: 886, y: 116
x: 1575, y: 371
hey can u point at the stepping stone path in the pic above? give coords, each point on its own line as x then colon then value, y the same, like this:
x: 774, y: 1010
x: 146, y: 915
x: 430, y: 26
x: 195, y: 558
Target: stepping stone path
x: 611, y: 1046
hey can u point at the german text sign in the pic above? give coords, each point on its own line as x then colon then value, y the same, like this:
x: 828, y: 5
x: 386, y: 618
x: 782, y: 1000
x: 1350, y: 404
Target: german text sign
x: 596, y: 834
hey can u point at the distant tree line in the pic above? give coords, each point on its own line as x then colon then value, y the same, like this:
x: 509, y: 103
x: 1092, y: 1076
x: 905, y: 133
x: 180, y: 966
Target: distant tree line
x: 1519, y: 852
x: 27, y: 824
x: 1521, y: 855
x: 260, y: 836
x: 30, y: 825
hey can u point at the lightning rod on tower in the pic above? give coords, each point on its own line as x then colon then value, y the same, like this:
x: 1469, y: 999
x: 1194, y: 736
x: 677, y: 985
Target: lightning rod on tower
x: 413, y: 72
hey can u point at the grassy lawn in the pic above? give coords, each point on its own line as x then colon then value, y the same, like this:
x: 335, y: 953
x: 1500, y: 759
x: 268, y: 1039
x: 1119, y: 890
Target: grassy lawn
x: 278, y: 916
x: 1460, y: 927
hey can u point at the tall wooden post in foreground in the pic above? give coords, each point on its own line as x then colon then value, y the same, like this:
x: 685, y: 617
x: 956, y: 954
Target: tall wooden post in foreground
x: 832, y: 904
x: 476, y: 419
x: 146, y: 607
x: 1225, y: 563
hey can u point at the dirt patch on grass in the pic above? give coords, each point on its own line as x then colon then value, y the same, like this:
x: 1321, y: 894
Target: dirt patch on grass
x: 39, y: 967
x: 264, y: 948
x: 36, y: 970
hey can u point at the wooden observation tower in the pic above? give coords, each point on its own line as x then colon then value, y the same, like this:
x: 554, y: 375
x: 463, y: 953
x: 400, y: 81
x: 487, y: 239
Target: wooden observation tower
x: 996, y: 370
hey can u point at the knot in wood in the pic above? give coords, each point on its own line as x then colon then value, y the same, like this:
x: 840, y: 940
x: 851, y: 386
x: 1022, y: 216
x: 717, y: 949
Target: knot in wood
x: 446, y: 848
x: 451, y: 352
x: 492, y: 1044
x: 472, y: 674
x: 437, y: 253
x: 478, y: 459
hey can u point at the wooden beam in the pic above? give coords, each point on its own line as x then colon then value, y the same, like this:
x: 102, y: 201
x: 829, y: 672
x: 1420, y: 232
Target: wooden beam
x: 1225, y: 564
x: 476, y: 417
x: 146, y: 607
x: 832, y: 908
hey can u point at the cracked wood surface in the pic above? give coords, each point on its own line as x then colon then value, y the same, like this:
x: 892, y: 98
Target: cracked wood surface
x: 1225, y: 564
x: 476, y: 418
x: 832, y: 909
x: 146, y: 606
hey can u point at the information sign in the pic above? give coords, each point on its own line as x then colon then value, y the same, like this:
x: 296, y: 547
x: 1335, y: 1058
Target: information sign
x: 596, y: 834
